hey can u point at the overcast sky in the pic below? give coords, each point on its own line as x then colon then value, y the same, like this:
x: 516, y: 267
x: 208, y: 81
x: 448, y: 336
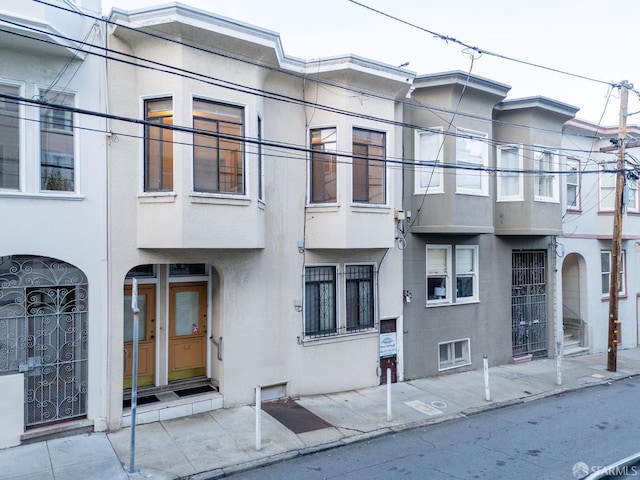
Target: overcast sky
x: 589, y: 38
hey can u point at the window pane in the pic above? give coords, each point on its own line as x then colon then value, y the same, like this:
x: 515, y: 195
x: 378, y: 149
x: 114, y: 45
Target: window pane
x: 320, y: 298
x: 323, y: 165
x: 472, y: 153
x: 218, y: 163
x: 464, y: 260
x: 9, y: 140
x: 437, y: 260
x: 359, y: 290
x: 510, y: 180
x: 158, y: 161
x: 128, y: 318
x: 184, y: 269
x: 430, y: 151
x: 369, y: 177
x: 57, y: 163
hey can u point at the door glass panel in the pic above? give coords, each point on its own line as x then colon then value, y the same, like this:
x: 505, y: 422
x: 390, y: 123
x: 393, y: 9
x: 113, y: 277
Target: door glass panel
x: 187, y: 304
x: 128, y: 318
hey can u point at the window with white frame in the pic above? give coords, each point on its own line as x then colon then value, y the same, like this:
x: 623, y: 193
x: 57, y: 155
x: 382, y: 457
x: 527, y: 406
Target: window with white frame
x: 453, y: 354
x: 438, y: 274
x: 573, y: 184
x: 158, y: 145
x: 510, y: 179
x: 325, y: 287
x: 369, y: 166
x: 218, y: 157
x: 607, y: 186
x: 260, y: 162
x: 57, y: 145
x: 546, y: 166
x: 359, y: 297
x: 605, y: 265
x: 429, y: 152
x: 452, y: 274
x: 9, y: 139
x: 323, y: 168
x: 320, y: 305
x: 466, y: 273
x: 472, y: 159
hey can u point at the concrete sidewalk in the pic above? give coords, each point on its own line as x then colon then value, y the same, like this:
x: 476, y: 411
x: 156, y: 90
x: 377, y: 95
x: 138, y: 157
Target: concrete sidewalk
x: 221, y: 442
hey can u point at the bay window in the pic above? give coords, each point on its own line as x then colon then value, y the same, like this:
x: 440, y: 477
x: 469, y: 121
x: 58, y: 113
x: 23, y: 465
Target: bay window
x: 158, y: 146
x: 369, y: 166
x: 218, y: 163
x: 323, y: 166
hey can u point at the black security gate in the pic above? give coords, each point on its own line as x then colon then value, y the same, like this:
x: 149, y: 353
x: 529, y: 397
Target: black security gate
x: 529, y: 303
x: 43, y: 334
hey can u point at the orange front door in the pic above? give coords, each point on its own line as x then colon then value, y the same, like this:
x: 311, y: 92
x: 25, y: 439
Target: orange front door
x: 146, y: 335
x: 187, y: 330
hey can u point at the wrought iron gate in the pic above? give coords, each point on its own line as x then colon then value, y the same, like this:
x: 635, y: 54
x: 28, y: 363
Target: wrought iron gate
x: 529, y: 303
x: 43, y: 333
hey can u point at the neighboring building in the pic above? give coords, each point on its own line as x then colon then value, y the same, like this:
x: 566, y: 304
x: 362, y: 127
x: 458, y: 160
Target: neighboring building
x: 256, y: 216
x: 53, y: 251
x: 583, y: 277
x: 480, y: 254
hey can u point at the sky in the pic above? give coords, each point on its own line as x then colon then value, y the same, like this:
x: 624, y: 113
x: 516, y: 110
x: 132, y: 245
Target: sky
x: 585, y: 38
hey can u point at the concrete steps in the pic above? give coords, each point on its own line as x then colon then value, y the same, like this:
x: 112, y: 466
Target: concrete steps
x: 572, y: 347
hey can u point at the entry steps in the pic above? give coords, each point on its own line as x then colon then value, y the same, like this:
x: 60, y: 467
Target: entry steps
x: 572, y: 347
x: 181, y: 400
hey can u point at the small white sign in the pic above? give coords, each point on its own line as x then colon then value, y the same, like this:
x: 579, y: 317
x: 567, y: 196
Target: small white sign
x: 388, y: 345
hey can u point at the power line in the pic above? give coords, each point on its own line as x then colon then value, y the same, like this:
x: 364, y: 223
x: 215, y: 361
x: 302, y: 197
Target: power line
x: 448, y: 39
x: 391, y: 161
x: 317, y: 80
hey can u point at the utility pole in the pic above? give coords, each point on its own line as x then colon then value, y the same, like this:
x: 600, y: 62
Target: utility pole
x: 616, y: 247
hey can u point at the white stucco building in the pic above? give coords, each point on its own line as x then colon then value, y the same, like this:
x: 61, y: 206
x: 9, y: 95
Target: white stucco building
x: 586, y: 243
x: 53, y: 251
x: 254, y: 201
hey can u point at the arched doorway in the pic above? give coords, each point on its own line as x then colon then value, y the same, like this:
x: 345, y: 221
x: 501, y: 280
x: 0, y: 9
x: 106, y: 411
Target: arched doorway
x: 574, y: 314
x: 43, y: 334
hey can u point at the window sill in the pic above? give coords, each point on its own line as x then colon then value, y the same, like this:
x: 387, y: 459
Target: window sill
x: 546, y: 200
x: 451, y: 304
x: 343, y: 337
x: 444, y: 369
x: 157, y: 198
x: 370, y: 208
x: 472, y: 193
x: 323, y: 207
x: 42, y: 196
x: 241, y: 201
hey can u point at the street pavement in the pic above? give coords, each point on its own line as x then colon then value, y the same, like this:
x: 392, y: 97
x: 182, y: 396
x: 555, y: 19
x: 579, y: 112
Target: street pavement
x: 222, y: 442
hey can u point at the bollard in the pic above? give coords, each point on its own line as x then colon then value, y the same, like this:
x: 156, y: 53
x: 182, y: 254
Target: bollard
x: 388, y: 394
x: 258, y: 418
x: 487, y: 394
x: 559, y: 362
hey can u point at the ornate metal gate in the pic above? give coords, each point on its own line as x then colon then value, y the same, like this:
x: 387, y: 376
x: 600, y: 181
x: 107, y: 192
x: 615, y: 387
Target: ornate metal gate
x: 43, y: 333
x: 529, y: 303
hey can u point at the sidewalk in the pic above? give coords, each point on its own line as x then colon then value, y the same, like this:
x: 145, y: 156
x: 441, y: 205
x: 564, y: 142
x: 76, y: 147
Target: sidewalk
x: 221, y: 442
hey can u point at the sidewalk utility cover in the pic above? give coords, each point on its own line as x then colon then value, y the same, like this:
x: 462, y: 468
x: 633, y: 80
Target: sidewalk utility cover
x: 294, y: 416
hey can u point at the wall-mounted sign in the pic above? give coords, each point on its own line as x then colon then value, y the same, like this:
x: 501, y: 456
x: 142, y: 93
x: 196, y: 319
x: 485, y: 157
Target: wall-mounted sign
x: 388, y: 345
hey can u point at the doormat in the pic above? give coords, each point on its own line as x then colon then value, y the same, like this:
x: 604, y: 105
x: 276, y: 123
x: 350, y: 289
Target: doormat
x: 126, y: 403
x: 185, y: 392
x: 294, y: 416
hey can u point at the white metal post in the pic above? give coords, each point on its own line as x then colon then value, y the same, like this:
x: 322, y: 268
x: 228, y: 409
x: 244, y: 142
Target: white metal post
x: 487, y: 393
x: 559, y: 362
x: 134, y: 375
x: 388, y: 394
x: 258, y: 418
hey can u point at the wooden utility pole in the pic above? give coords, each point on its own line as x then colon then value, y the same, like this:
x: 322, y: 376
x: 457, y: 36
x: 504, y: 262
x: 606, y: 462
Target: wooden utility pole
x: 616, y: 247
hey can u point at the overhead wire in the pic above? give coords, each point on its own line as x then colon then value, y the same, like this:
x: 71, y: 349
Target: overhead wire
x: 315, y: 79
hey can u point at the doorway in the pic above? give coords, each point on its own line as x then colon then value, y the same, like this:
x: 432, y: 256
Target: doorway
x: 529, y: 303
x: 187, y: 330
x: 146, y: 335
